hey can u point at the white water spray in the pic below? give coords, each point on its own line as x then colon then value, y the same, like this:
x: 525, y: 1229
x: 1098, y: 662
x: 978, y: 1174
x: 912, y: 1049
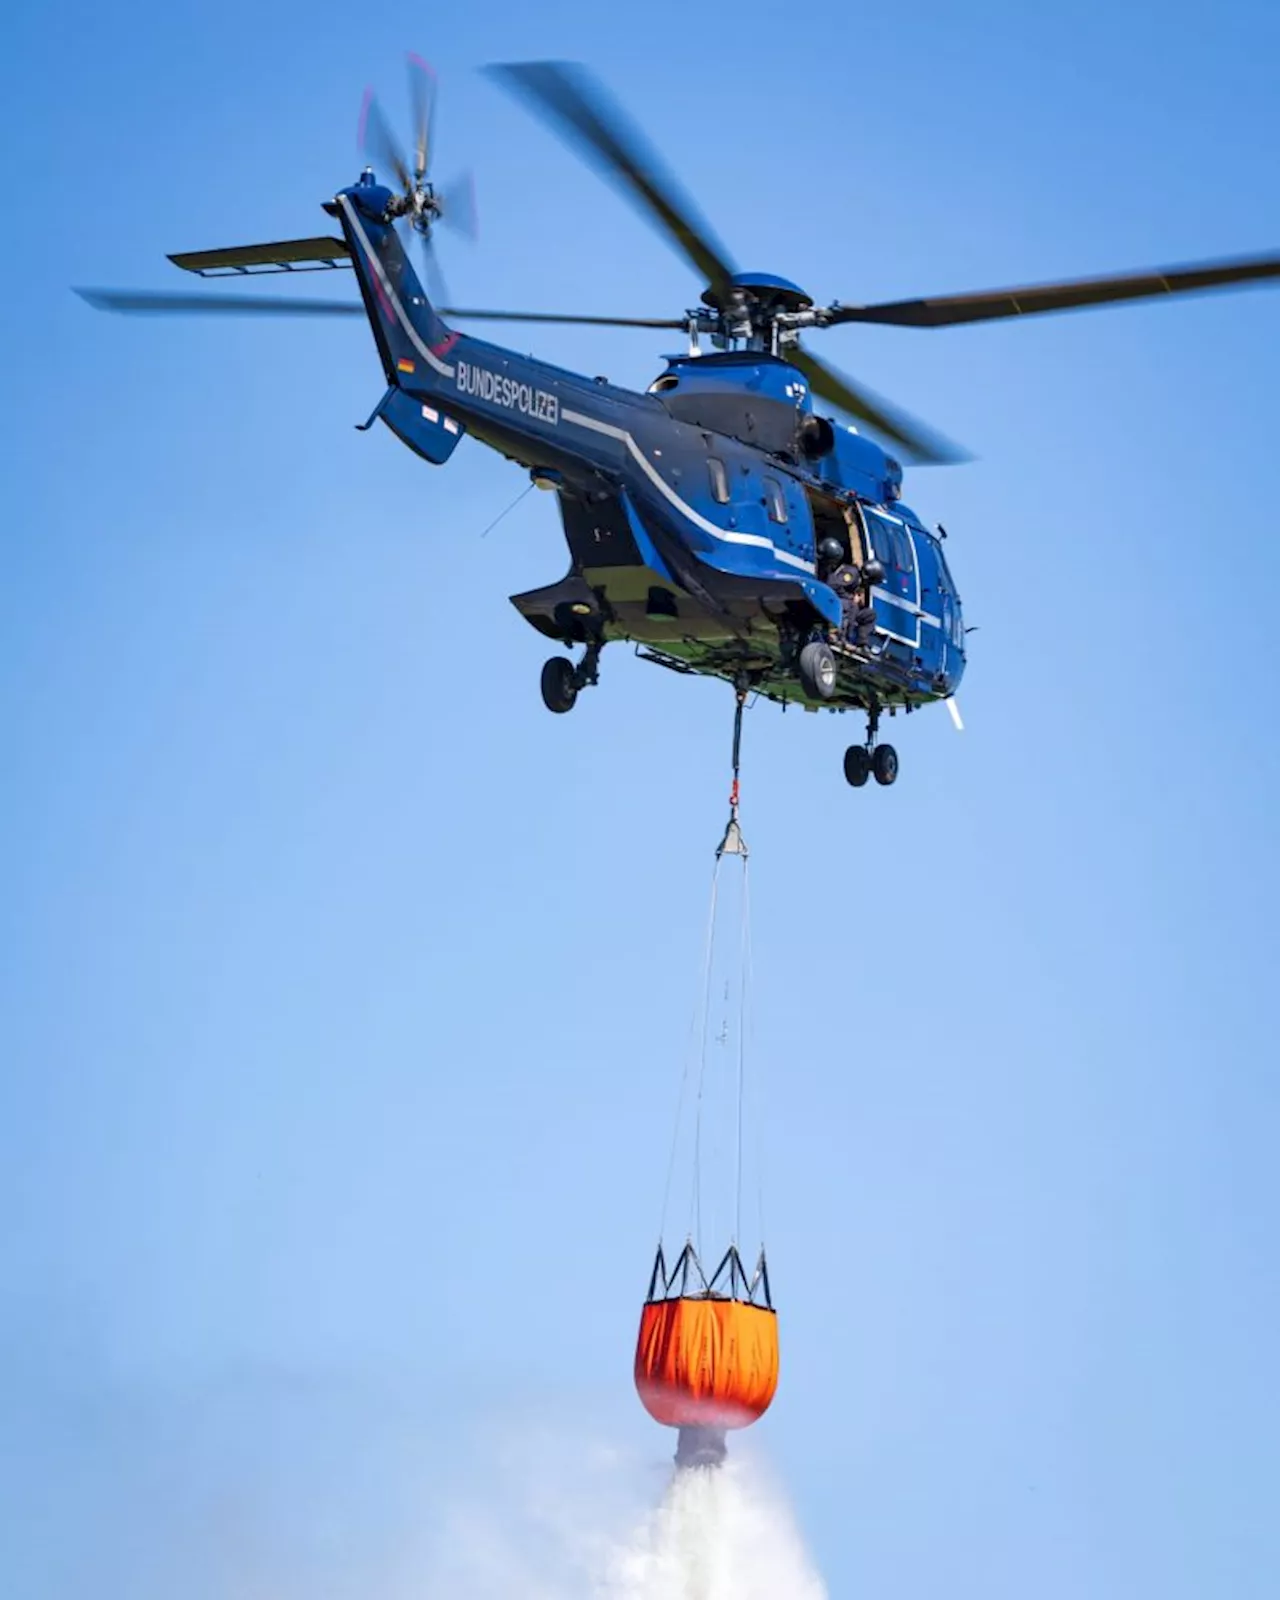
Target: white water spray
x: 722, y: 1533
x: 554, y: 1523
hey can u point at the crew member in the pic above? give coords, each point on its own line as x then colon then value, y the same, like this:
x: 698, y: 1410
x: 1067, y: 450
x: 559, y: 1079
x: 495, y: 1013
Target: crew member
x: 847, y: 580
x: 830, y: 554
x: 864, y: 623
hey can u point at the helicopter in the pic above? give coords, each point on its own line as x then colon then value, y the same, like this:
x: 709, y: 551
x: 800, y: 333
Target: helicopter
x: 719, y: 521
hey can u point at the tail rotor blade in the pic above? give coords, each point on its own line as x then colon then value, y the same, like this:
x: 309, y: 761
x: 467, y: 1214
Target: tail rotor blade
x: 422, y: 96
x: 437, y: 289
x: 377, y: 139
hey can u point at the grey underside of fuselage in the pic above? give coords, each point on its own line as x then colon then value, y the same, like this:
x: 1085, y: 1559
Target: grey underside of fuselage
x: 633, y: 603
x: 645, y: 606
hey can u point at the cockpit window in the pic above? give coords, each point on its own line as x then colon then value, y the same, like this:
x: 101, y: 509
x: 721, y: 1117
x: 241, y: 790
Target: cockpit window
x: 719, y: 479
x: 894, y: 550
x: 775, y: 500
x: 878, y: 546
x: 951, y: 617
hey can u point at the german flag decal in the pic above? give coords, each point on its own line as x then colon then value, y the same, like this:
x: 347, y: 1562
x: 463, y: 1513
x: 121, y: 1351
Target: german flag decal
x: 405, y: 366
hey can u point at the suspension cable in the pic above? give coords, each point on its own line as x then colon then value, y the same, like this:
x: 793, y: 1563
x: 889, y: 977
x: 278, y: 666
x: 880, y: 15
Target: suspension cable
x: 744, y: 948
x: 696, y: 1220
x: 732, y: 843
x: 708, y: 951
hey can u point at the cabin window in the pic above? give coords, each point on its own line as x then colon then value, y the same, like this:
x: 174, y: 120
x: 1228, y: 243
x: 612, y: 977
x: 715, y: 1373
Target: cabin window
x: 719, y: 479
x: 775, y: 500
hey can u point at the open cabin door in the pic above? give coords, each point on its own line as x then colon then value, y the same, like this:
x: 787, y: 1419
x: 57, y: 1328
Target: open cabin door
x: 837, y: 519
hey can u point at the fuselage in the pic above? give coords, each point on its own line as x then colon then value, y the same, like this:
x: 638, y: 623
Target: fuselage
x: 694, y: 513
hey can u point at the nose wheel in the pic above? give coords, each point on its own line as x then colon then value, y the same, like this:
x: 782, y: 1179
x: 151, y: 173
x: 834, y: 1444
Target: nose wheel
x: 871, y: 760
x: 562, y: 681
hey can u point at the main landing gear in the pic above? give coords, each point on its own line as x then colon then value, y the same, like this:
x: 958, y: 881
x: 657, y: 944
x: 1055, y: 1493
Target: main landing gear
x: 562, y: 681
x: 871, y: 760
x: 816, y: 669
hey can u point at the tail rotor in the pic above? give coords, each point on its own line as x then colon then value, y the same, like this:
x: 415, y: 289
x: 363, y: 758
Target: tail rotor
x: 421, y: 202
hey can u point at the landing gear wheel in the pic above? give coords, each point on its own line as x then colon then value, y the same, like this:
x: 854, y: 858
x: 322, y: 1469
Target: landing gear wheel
x: 817, y: 670
x: 559, y: 684
x: 884, y: 763
x: 857, y: 766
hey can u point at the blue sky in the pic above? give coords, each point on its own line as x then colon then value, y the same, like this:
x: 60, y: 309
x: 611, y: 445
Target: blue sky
x: 343, y: 991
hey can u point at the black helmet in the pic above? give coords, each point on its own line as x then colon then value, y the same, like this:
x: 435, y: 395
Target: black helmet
x: 830, y: 549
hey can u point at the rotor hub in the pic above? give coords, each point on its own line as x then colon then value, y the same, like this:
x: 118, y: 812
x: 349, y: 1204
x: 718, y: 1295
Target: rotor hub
x: 420, y: 205
x: 763, y: 289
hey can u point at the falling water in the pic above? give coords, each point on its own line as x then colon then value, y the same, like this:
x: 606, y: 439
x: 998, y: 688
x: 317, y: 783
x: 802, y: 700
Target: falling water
x: 546, y: 1526
x: 719, y: 1534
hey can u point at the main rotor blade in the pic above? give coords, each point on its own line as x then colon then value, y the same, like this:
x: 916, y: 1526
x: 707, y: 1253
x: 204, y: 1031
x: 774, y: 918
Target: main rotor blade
x: 136, y: 300
x: 948, y: 310
x: 566, y: 96
x: 458, y: 206
x: 556, y: 317
x: 143, y: 301
x: 920, y: 443
x: 377, y: 138
x: 422, y: 96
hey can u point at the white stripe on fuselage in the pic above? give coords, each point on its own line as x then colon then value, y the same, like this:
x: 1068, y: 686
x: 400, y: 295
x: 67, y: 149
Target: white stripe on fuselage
x: 907, y: 605
x: 429, y: 356
x: 665, y: 489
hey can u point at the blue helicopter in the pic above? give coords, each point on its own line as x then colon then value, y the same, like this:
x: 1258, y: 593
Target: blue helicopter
x: 717, y: 520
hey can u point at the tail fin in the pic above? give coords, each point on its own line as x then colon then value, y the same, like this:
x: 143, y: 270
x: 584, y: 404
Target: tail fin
x: 413, y: 340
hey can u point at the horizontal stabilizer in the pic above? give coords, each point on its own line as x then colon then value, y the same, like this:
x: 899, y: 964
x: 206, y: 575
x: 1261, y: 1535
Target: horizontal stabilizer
x: 291, y: 255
